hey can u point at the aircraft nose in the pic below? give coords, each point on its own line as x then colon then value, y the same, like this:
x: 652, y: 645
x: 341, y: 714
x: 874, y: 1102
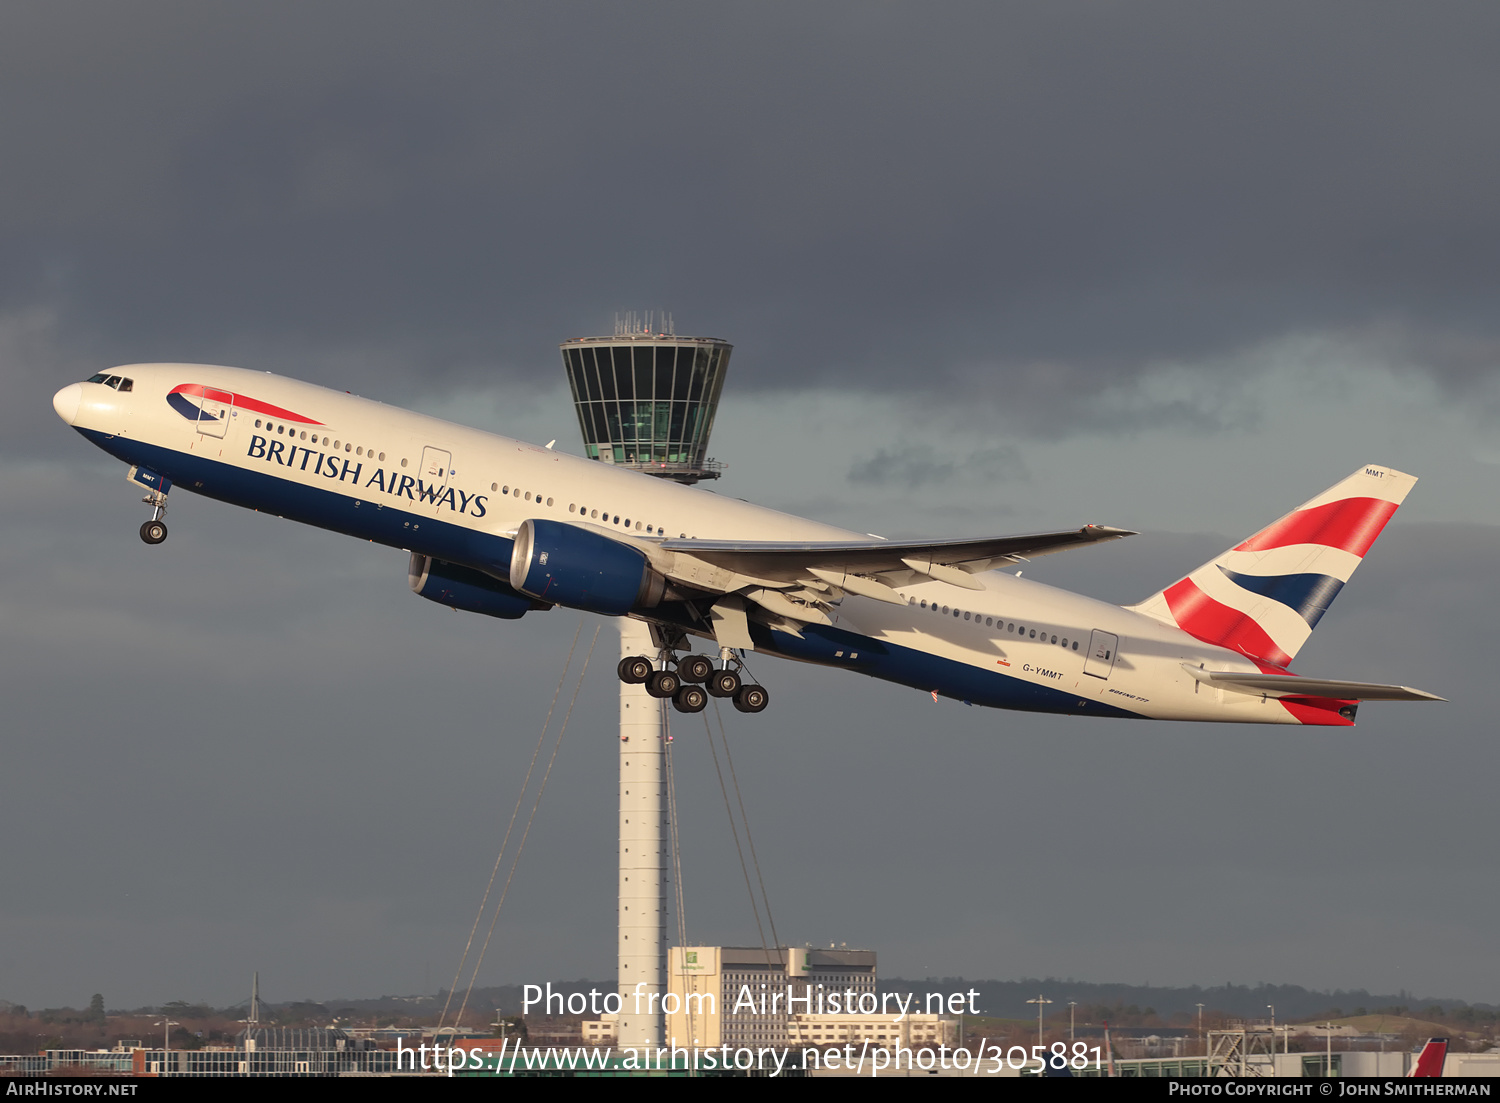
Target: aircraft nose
x: 67, y: 400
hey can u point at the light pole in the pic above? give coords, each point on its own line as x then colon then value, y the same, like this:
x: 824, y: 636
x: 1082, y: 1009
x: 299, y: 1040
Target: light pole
x: 1202, y: 1041
x: 1328, y: 1053
x: 1072, y: 1021
x: 166, y: 1025
x: 1040, y: 1002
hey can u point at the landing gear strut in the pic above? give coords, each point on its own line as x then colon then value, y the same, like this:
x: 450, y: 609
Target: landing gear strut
x: 154, y: 531
x: 691, y: 680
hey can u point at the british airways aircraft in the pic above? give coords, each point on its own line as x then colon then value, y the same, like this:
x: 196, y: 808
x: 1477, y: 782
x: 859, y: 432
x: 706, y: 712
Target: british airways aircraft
x: 504, y: 528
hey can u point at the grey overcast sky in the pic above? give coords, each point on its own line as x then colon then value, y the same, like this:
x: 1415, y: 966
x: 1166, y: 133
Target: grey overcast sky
x: 987, y: 267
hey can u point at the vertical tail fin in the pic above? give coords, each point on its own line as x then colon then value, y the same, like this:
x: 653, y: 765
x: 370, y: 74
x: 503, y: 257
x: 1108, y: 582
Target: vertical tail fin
x: 1263, y: 597
x: 1430, y: 1061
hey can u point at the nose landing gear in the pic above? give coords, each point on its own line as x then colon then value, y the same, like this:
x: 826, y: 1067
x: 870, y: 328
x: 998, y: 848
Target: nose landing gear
x: 154, y: 531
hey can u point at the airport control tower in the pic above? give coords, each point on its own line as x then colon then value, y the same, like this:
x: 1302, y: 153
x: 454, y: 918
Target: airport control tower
x: 646, y: 400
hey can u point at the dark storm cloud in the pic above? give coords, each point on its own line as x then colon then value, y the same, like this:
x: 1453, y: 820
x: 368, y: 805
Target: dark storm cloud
x: 1024, y: 204
x: 914, y: 466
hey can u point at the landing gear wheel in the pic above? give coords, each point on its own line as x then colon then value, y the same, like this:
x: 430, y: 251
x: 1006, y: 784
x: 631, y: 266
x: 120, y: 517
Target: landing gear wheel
x: 696, y: 668
x: 663, y: 683
x: 690, y: 698
x: 153, y: 532
x: 724, y: 683
x: 752, y: 699
x: 634, y: 669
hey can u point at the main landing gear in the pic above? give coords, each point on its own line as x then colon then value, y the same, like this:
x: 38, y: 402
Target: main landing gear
x: 154, y: 531
x: 694, y: 680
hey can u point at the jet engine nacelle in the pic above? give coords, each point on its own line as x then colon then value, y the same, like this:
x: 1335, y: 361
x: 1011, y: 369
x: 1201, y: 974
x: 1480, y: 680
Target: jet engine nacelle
x: 572, y: 566
x: 465, y: 588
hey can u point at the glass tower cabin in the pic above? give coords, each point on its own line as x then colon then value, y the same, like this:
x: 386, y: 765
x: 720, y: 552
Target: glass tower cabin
x: 647, y: 400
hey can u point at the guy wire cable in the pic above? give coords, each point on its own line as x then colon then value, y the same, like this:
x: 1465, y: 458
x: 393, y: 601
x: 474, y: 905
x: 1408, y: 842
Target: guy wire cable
x: 541, y: 736
x: 521, y: 846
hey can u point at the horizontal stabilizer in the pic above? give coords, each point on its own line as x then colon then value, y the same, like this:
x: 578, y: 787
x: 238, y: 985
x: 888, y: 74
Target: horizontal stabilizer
x: 1289, y: 685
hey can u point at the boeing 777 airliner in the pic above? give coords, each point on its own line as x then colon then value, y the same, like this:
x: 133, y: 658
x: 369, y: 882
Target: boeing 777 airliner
x: 503, y: 528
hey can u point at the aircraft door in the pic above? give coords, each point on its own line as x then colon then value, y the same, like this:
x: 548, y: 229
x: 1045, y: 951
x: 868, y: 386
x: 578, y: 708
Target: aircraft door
x: 215, y: 410
x: 1103, y: 648
x: 434, y: 474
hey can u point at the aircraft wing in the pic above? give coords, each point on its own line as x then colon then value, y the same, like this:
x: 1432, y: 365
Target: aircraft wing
x: 794, y: 583
x: 1289, y: 685
x: 791, y: 561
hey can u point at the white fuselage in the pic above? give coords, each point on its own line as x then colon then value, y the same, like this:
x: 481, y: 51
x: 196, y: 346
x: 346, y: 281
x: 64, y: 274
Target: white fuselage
x: 359, y: 467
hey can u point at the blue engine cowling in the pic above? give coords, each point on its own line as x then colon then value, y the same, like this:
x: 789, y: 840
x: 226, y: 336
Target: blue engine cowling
x: 569, y: 565
x: 465, y: 588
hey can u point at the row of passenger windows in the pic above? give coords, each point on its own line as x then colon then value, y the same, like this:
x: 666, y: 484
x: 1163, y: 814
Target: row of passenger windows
x: 360, y: 450
x: 1010, y: 627
x: 585, y: 511
x: 291, y: 431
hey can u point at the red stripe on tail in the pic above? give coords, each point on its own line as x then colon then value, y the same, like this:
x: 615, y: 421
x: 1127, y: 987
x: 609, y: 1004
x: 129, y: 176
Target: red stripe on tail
x: 1351, y: 524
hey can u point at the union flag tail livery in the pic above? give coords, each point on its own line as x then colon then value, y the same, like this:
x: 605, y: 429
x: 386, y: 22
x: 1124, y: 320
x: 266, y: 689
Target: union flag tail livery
x: 1264, y: 596
x: 505, y: 529
x: 1430, y: 1060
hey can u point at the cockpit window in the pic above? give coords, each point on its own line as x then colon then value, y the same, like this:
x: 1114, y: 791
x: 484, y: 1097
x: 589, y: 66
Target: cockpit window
x: 118, y: 382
